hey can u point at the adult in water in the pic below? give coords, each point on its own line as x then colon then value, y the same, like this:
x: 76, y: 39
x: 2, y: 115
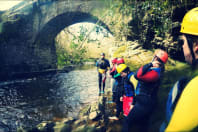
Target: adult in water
x: 102, y: 67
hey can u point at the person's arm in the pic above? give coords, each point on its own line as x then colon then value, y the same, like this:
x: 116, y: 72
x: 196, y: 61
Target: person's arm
x: 97, y: 63
x: 116, y: 75
x: 108, y: 65
x: 112, y: 71
x: 121, y: 89
x: 145, y: 74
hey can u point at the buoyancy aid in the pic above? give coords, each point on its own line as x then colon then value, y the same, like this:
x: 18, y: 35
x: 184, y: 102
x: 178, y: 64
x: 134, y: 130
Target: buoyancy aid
x: 149, y: 80
x: 103, y: 65
x: 172, y: 100
x: 102, y: 71
x: 128, y: 85
x: 185, y: 114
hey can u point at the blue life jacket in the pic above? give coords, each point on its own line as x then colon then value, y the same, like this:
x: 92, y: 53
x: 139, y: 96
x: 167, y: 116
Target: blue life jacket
x: 128, y: 86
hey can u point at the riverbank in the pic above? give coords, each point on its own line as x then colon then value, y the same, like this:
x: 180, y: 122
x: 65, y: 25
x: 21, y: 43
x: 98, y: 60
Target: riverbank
x: 27, y: 102
x: 93, y: 117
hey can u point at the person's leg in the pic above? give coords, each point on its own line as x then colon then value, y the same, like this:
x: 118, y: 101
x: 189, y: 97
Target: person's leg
x: 127, y: 102
x: 112, y: 83
x: 118, y: 108
x: 99, y: 81
x: 103, y: 81
x: 125, y: 126
x: 113, y: 97
x: 144, y: 124
x: 103, y: 86
x: 114, y: 92
x: 137, y: 113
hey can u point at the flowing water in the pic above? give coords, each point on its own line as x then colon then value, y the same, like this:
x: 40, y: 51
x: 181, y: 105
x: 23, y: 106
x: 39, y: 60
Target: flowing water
x: 27, y: 102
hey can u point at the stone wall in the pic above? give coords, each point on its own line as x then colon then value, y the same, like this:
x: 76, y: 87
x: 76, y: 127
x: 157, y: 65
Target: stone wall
x: 28, y: 32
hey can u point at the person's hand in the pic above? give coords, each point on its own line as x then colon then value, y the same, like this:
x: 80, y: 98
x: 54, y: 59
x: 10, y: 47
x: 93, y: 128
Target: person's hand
x: 121, y: 99
x: 131, y: 107
x: 156, y: 63
x: 109, y: 75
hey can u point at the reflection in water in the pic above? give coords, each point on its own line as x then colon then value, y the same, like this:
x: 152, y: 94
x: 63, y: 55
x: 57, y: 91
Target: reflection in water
x: 28, y: 102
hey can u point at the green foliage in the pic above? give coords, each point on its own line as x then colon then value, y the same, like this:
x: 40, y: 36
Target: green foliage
x: 151, y: 18
x: 62, y: 58
x: 1, y: 27
x: 76, y: 56
x: 77, y: 53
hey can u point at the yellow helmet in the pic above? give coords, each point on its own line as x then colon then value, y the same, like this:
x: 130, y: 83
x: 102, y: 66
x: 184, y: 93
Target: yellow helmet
x: 190, y: 22
x: 121, y: 68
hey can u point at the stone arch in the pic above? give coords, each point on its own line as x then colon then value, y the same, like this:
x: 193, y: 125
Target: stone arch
x: 44, y: 44
x: 36, y: 24
x: 55, y: 25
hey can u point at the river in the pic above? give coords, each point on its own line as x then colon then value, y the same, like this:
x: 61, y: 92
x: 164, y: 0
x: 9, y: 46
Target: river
x: 27, y: 102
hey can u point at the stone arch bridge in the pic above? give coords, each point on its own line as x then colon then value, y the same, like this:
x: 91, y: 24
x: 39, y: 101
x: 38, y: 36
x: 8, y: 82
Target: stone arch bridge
x: 28, y: 30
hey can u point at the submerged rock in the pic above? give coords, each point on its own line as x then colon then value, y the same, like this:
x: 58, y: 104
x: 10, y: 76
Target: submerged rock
x: 91, y: 118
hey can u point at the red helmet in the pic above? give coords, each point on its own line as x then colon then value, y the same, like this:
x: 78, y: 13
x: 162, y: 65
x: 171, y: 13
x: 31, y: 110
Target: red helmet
x: 114, y: 61
x: 120, y: 61
x: 162, y: 55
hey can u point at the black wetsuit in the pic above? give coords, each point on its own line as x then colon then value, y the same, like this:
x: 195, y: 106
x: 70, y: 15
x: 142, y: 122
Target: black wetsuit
x: 102, y: 65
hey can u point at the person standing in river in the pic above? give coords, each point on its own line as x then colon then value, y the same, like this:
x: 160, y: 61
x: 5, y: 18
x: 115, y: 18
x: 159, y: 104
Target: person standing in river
x: 102, y: 66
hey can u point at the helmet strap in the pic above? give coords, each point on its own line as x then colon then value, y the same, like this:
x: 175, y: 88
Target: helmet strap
x: 153, y: 58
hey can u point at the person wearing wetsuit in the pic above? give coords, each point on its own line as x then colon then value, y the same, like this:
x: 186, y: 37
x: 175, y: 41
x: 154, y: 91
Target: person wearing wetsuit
x: 148, y: 77
x: 118, y: 91
x: 129, y: 84
x: 184, y: 116
x: 102, y: 66
x: 113, y: 81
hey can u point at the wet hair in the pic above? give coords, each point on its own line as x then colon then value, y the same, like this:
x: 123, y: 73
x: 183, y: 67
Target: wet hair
x: 192, y: 38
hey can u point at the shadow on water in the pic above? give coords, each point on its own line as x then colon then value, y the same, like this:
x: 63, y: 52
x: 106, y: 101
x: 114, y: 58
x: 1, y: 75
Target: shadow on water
x: 27, y: 102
